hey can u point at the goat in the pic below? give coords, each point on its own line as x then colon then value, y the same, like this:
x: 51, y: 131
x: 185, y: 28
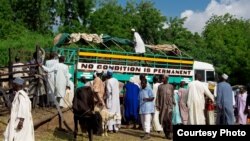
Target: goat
x: 106, y: 116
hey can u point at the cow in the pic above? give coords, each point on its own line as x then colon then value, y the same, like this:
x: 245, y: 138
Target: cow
x: 83, y: 109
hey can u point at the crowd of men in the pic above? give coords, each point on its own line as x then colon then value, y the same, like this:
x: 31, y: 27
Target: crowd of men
x: 154, y: 107
x: 194, y: 104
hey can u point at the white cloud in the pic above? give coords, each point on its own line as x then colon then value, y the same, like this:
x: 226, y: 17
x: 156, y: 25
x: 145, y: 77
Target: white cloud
x: 165, y: 26
x: 196, y: 20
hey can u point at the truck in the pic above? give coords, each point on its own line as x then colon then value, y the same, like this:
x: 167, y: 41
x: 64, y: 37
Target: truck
x: 106, y: 52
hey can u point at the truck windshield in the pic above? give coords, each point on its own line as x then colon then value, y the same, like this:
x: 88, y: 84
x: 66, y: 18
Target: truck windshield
x: 202, y: 73
x: 210, y: 76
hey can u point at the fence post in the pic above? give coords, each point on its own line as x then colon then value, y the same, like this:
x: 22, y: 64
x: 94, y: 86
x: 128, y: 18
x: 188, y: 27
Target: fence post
x: 10, y: 69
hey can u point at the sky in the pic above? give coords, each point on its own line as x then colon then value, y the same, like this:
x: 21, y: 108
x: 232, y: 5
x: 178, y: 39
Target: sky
x: 199, y: 11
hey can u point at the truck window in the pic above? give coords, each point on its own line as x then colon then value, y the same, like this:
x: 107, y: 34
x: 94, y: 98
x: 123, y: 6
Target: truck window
x: 210, y: 76
x: 202, y: 73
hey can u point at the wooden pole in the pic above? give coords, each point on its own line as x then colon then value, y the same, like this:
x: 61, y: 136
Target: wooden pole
x: 6, y: 99
x: 10, y: 69
x: 35, y: 95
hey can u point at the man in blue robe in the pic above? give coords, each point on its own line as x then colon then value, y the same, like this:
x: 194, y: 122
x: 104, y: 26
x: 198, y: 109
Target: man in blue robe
x: 131, y: 102
x: 224, y: 102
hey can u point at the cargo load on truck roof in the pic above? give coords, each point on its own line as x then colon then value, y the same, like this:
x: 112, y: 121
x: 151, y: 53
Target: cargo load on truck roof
x: 66, y: 39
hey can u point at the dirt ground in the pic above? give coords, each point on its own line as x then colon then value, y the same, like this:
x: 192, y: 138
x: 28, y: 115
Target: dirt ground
x: 49, y: 131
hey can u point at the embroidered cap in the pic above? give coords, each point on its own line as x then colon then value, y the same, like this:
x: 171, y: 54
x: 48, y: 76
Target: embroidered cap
x: 224, y: 76
x: 109, y: 72
x: 99, y: 71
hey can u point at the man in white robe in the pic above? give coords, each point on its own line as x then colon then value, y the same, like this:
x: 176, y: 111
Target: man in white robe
x: 138, y: 43
x: 196, y: 101
x: 113, y: 100
x: 61, y: 79
x: 20, y: 126
x: 51, y: 78
x: 156, y: 123
x: 71, y: 85
x: 68, y: 98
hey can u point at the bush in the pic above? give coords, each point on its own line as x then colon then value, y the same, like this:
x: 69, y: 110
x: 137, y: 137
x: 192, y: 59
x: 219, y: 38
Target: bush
x: 23, y: 46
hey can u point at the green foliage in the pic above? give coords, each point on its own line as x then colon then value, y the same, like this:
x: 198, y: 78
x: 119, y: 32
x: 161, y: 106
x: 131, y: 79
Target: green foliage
x: 178, y: 35
x: 23, y: 46
x: 74, y: 14
x: 84, y: 8
x: 6, y: 12
x: 33, y: 14
x: 109, y: 19
x: 8, y: 28
x: 151, y: 22
x: 227, y: 41
x: 190, y: 44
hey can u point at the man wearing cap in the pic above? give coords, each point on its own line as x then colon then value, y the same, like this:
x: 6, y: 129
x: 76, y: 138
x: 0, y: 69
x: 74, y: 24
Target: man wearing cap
x: 113, y: 100
x: 224, y: 102
x: 20, y: 126
x: 138, y: 43
x: 98, y: 88
x: 164, y: 104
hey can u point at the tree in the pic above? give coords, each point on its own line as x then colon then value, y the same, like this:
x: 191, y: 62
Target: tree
x: 189, y: 43
x: 84, y: 8
x: 177, y: 34
x: 74, y: 14
x: 35, y: 15
x: 150, y: 22
x: 109, y: 19
x: 228, y: 46
x: 8, y: 28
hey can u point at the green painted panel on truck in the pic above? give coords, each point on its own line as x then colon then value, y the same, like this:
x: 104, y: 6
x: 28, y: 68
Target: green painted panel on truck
x: 125, y: 77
